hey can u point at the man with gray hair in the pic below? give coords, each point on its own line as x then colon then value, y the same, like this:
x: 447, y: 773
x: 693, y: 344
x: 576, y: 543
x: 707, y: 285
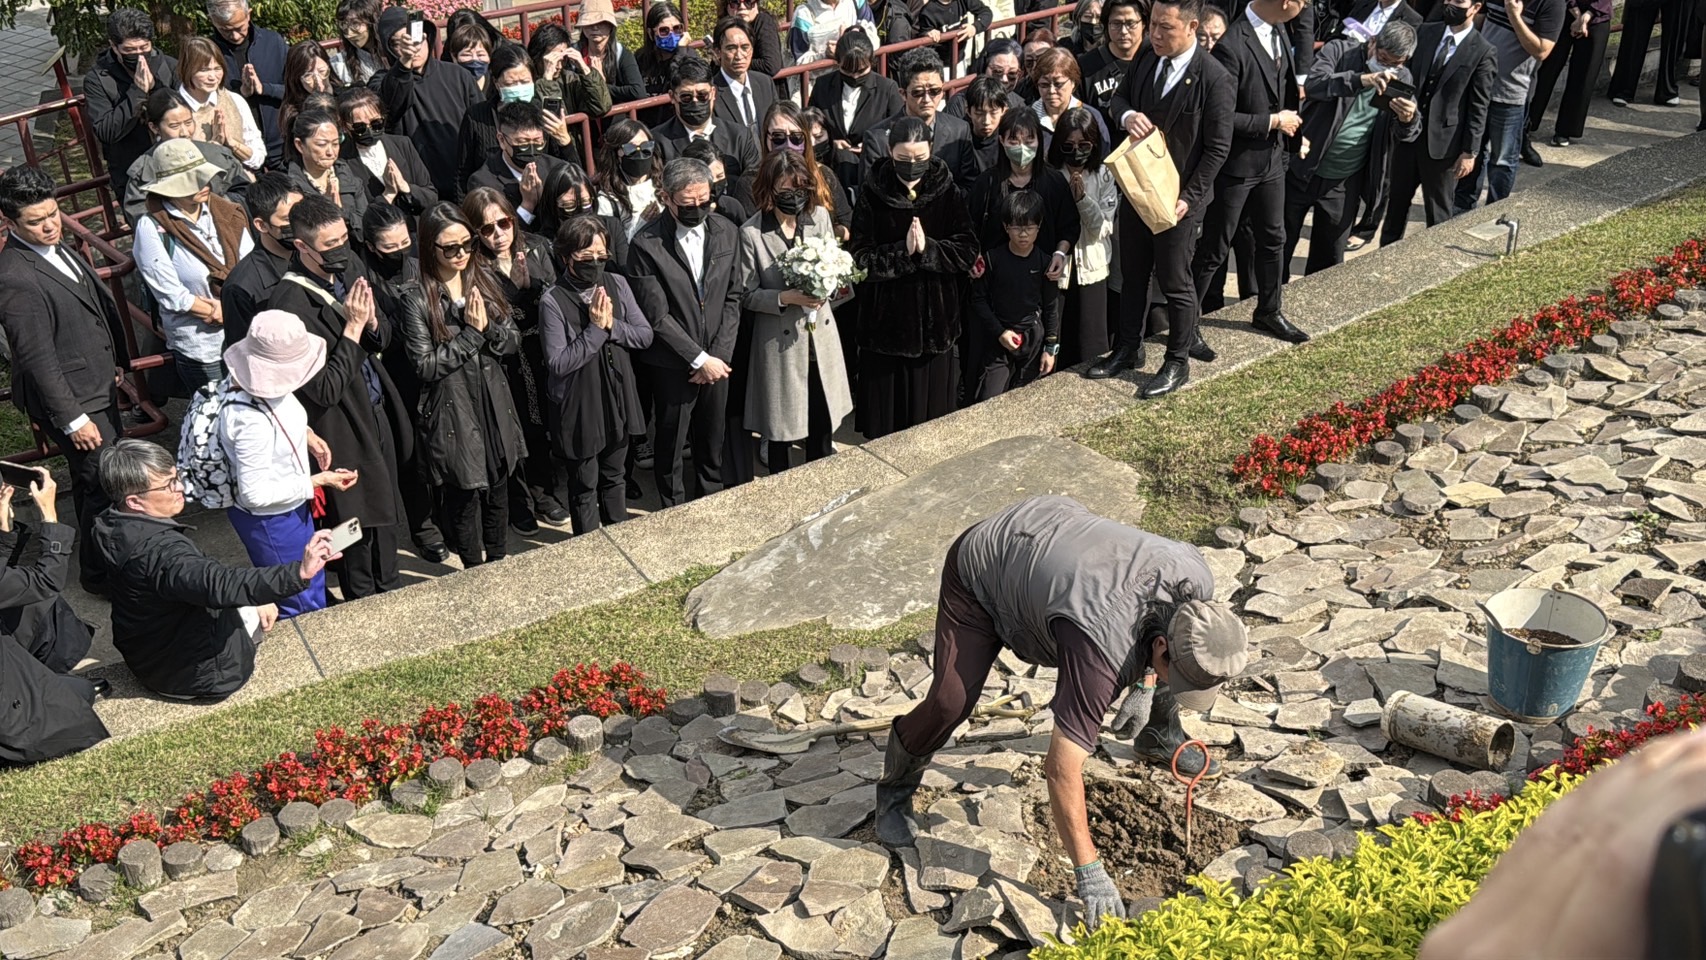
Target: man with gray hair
x: 186, y: 624
x: 254, y: 67
x: 1360, y: 100
x: 682, y: 267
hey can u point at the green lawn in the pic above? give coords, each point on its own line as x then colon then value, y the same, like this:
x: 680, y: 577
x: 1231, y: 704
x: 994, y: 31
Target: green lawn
x: 1184, y: 446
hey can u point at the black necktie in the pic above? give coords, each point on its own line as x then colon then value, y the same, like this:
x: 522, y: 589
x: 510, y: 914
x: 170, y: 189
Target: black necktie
x: 751, y: 117
x: 1441, y: 59
x: 1161, y: 76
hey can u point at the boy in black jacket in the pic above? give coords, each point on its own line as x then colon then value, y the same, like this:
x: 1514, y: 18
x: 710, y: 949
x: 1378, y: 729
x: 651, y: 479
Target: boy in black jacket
x: 1015, y: 306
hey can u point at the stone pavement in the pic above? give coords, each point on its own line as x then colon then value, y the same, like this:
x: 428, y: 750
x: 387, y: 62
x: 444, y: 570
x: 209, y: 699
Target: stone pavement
x: 668, y: 842
x: 27, y: 52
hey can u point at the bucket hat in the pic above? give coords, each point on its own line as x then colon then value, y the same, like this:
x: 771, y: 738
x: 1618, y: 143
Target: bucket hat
x: 1206, y: 645
x: 278, y: 356
x: 597, y: 11
x: 183, y: 170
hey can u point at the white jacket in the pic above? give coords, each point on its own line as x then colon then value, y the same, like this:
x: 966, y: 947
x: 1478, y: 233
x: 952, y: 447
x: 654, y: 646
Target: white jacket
x: 270, y: 467
x: 1093, y: 254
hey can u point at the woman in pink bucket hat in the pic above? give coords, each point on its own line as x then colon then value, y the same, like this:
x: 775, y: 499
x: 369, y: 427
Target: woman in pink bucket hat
x: 274, y: 459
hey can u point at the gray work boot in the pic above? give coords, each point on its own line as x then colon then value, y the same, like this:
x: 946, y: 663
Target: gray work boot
x: 902, y: 773
x: 1162, y: 735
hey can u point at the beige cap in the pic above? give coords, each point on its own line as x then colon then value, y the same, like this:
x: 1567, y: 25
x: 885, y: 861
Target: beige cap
x: 1206, y: 645
x: 597, y: 11
x: 183, y: 170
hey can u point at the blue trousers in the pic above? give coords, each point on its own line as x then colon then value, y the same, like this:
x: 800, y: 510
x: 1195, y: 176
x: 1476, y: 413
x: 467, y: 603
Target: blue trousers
x: 1501, y: 152
x: 281, y: 539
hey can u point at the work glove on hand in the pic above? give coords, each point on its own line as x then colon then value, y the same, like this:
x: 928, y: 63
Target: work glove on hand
x: 1101, y: 898
x: 1134, y: 712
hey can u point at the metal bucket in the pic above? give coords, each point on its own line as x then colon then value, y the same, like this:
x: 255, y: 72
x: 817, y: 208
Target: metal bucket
x: 1533, y: 681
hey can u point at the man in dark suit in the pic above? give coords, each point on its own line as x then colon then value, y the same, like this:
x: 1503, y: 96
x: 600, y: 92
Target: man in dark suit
x: 254, y: 67
x: 1180, y: 89
x: 920, y: 79
x: 695, y: 99
x: 519, y: 166
x: 1251, y: 187
x: 854, y: 97
x: 1350, y: 120
x: 1456, y: 69
x: 118, y: 86
x: 683, y: 270
x: 742, y: 96
x: 1299, y: 31
x: 65, y: 331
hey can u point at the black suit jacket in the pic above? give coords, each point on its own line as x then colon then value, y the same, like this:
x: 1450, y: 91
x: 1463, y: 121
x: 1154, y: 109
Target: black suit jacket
x: 1262, y: 89
x: 1299, y: 29
x: 116, y: 108
x: 1454, y: 115
x: 401, y: 150
x: 951, y: 141
x: 727, y: 111
x: 64, y: 337
x: 1195, y: 117
x: 880, y: 100
x: 1406, y: 13
x: 685, y: 322
x: 496, y: 174
x: 736, y: 143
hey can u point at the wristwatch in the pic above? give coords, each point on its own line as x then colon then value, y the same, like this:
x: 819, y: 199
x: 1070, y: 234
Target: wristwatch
x: 1052, y: 349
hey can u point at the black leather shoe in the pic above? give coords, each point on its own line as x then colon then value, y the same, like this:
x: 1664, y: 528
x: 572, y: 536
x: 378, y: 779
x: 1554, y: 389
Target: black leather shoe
x: 434, y: 552
x: 1278, y: 326
x: 1121, y: 360
x: 1531, y: 156
x: 103, y: 686
x: 523, y: 523
x: 1172, y: 375
x: 557, y: 516
x: 1200, y: 350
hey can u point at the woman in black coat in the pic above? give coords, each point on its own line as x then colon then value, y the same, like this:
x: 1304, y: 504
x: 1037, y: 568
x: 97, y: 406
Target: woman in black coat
x: 319, y: 170
x: 912, y: 236
x: 457, y: 330
x: 402, y: 180
x: 520, y: 262
x: 878, y: 99
x: 589, y: 322
x: 1019, y: 165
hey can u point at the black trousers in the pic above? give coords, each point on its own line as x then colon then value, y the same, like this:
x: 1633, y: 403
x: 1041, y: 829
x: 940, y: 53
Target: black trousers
x: 537, y: 486
x: 1084, y: 323
x: 1167, y: 256
x: 87, y: 497
x: 691, y: 414
x: 478, y: 522
x: 1638, y: 22
x: 1242, y: 261
x: 598, y: 486
x: 1335, y: 214
x: 370, y: 566
x: 1412, y: 168
x: 1584, y: 56
x: 1260, y: 201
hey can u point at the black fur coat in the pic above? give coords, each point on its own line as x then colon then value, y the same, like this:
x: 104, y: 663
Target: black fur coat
x: 910, y: 304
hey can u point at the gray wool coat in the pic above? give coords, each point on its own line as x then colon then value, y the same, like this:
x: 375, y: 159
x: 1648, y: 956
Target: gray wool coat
x: 778, y: 398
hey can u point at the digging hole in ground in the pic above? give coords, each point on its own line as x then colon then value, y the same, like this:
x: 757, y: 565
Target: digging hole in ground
x: 1140, y: 833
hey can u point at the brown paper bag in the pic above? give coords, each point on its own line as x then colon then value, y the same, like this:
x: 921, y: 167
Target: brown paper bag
x: 1146, y: 175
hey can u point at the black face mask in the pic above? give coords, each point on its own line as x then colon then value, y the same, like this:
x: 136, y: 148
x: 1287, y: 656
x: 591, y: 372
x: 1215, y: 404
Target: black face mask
x: 1454, y: 16
x: 691, y: 217
x: 335, y: 260
x: 910, y: 170
x: 853, y: 81
x: 525, y: 153
x: 130, y: 60
x: 719, y: 189
x: 365, y: 134
x: 792, y: 202
x: 825, y: 151
x: 391, y: 263
x: 1078, y: 156
x: 637, y: 165
x: 586, y: 273
x: 694, y: 113
x: 286, y: 235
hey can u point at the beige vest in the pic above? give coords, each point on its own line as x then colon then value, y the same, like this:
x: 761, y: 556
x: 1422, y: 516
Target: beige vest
x: 222, y: 107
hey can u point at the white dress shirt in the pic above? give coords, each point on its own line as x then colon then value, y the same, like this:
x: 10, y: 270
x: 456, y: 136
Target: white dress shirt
x: 1378, y: 17
x: 1454, y: 37
x: 176, y: 278
x: 692, y: 243
x: 56, y: 257
x: 741, y: 94
x: 850, y: 96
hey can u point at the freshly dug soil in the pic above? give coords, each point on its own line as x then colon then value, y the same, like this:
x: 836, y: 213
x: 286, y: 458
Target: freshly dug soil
x: 1140, y: 833
x: 1551, y: 637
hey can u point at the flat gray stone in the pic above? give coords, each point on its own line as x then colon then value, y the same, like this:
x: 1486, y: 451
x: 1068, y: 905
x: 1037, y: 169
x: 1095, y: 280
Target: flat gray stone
x: 1237, y: 800
x: 392, y: 831
x: 329, y: 930
x: 403, y: 941
x: 16, y: 906
x: 918, y: 938
x: 184, y: 894
x: 673, y: 920
x: 663, y: 829
x: 43, y: 936
x: 665, y: 863
x: 756, y: 810
x: 726, y: 845
x: 801, y: 934
x: 585, y: 921
x: 530, y: 901
x: 476, y: 941
x: 974, y: 908
x: 271, y: 907
x: 821, y: 569
x: 212, y: 942
x: 862, y: 927
x: 828, y: 820
x: 381, y: 874
x: 743, y: 947
x: 1308, y: 764
x: 770, y: 889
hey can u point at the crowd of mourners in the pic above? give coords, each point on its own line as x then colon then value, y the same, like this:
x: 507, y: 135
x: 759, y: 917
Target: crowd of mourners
x: 399, y: 295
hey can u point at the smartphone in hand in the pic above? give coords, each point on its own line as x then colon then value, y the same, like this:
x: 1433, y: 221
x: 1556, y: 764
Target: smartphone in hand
x: 346, y: 535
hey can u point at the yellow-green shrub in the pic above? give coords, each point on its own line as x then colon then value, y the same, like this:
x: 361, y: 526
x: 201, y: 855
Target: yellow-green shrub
x: 1375, y: 905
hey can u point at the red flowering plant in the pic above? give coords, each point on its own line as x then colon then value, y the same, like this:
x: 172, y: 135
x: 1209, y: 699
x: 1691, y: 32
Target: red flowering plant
x: 1274, y: 465
x: 354, y: 766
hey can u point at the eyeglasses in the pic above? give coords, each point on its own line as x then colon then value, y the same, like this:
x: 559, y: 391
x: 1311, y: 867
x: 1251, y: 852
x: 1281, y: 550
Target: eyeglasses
x: 503, y: 224
x: 794, y: 138
x: 924, y: 93
x: 676, y: 30
x: 1124, y: 26
x: 175, y: 482
x: 702, y: 96
x: 455, y: 250
x: 1057, y: 84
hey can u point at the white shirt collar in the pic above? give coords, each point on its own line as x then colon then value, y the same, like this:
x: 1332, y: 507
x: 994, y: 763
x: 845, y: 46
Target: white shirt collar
x: 189, y: 97
x: 735, y: 85
x: 1181, y: 61
x: 1263, y: 28
x: 1459, y: 32
x: 48, y: 253
x: 685, y: 233
x: 705, y: 131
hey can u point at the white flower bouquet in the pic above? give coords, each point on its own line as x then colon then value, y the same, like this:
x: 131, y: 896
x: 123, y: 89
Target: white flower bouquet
x: 818, y: 267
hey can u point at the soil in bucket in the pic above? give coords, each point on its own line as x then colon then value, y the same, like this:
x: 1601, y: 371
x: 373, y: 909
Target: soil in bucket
x: 1140, y: 833
x: 1549, y: 637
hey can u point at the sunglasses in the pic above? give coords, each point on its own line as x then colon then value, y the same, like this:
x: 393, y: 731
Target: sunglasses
x: 504, y: 224
x: 778, y: 138
x: 636, y: 149
x: 742, y: 4
x: 361, y: 129
x: 924, y: 93
x: 702, y: 96
x: 454, y: 250
x: 676, y: 30
x: 1060, y: 84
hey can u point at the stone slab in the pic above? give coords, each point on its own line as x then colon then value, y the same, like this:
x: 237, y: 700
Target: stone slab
x: 826, y: 569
